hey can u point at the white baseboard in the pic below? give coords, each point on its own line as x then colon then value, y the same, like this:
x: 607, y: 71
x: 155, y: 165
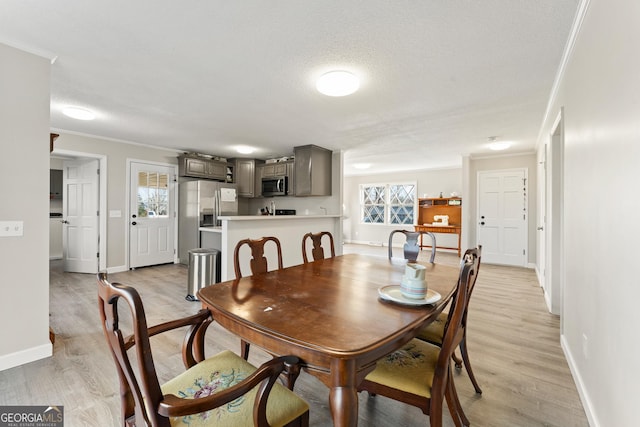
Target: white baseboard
x: 25, y: 356
x: 118, y: 269
x: 577, y: 378
x: 538, y: 276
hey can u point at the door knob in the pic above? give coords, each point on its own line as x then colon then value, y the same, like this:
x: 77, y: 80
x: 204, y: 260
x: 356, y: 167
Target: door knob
x: 482, y: 223
x: 134, y: 216
x: 540, y: 228
x: 134, y: 223
x: 64, y: 221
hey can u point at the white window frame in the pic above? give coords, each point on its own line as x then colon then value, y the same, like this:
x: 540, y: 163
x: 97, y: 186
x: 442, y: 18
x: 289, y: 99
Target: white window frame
x: 387, y: 204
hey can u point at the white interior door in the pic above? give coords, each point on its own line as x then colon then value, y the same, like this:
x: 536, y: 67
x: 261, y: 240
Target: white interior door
x: 80, y: 215
x: 502, y: 216
x: 151, y: 215
x: 542, y: 218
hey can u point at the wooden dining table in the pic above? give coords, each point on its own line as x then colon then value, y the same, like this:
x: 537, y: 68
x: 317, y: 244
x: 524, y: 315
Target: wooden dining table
x: 329, y: 314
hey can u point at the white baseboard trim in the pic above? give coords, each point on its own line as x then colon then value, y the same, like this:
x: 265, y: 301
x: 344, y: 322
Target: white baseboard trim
x: 395, y: 245
x: 538, y: 276
x: 118, y: 269
x: 577, y: 378
x: 25, y: 356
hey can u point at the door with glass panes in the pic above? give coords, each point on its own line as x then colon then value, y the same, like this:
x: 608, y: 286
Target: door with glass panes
x: 152, y: 217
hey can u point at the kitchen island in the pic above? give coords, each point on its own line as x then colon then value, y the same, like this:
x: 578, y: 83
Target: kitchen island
x: 289, y: 229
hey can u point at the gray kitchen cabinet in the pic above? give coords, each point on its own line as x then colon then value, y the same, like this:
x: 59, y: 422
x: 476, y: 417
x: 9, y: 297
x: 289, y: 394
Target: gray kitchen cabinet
x: 55, y: 184
x: 258, y: 180
x: 244, y: 171
x: 217, y: 170
x: 202, y: 167
x: 274, y: 169
x: 291, y: 175
x: 312, y: 170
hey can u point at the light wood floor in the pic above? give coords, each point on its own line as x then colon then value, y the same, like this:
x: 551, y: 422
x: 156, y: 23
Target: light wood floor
x: 513, y: 344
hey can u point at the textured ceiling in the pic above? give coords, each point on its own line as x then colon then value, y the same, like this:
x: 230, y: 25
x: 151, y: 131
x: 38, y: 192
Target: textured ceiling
x: 437, y: 77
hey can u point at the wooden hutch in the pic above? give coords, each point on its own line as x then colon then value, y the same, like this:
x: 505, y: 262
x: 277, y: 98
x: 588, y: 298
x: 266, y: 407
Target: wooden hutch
x: 428, y: 208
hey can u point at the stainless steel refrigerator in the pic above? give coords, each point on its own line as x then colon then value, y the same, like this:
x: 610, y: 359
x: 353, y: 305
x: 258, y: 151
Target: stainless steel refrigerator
x: 201, y: 203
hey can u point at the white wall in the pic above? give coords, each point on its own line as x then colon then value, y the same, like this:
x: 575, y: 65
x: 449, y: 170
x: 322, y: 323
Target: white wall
x: 600, y: 93
x: 429, y: 182
x: 24, y: 170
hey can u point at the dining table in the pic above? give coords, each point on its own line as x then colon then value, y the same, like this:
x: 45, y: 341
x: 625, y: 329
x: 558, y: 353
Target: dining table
x: 338, y: 315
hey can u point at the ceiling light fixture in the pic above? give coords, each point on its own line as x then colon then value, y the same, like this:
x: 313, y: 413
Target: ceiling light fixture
x: 245, y: 150
x: 362, y: 165
x: 498, y: 146
x: 337, y: 83
x: 78, y: 113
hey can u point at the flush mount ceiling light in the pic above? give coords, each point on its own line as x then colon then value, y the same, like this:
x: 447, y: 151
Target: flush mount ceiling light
x: 245, y: 150
x: 498, y: 145
x: 337, y: 83
x: 362, y: 165
x: 78, y: 113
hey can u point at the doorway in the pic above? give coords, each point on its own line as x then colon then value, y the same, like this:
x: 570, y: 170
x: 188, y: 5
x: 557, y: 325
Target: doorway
x: 502, y: 216
x: 553, y: 209
x: 97, y: 240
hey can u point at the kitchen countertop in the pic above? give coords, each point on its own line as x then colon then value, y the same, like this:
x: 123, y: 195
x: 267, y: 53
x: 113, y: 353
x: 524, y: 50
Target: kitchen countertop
x: 211, y: 229
x: 273, y: 217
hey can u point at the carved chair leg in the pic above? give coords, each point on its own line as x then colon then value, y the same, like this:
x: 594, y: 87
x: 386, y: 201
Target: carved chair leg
x: 290, y: 375
x: 244, y: 349
x: 467, y: 365
x: 456, y: 360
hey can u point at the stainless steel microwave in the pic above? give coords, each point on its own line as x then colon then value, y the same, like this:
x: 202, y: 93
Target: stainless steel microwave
x: 275, y: 186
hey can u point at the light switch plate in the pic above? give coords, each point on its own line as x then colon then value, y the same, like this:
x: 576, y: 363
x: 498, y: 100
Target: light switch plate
x: 115, y: 214
x: 11, y: 228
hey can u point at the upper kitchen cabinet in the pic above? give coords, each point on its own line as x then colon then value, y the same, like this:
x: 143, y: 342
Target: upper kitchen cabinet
x: 202, y: 167
x: 244, y: 175
x: 272, y: 170
x: 55, y: 184
x: 312, y: 171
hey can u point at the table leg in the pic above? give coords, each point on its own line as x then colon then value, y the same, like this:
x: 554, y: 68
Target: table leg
x: 343, y: 402
x: 343, y: 394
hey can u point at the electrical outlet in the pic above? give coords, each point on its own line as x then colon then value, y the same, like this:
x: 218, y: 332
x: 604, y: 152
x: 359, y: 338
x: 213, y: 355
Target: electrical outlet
x: 11, y: 228
x: 585, y: 346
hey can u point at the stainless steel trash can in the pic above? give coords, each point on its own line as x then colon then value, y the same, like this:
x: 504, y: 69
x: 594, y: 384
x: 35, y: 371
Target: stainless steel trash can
x: 204, y: 270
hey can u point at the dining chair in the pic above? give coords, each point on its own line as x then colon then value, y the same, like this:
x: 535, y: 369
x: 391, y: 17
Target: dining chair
x: 257, y: 264
x: 317, y: 252
x: 434, y: 332
x: 411, y: 247
x: 420, y: 374
x: 223, y: 390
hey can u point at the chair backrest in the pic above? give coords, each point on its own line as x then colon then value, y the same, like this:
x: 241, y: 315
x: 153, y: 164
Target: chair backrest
x: 473, y: 256
x: 258, y: 262
x: 411, y: 247
x: 317, y: 252
x: 454, y: 332
x: 139, y: 385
